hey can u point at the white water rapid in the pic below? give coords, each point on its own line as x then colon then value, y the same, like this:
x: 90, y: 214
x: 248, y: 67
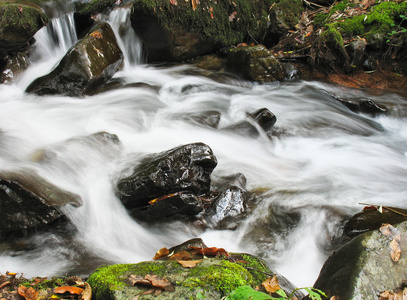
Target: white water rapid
x: 322, y: 161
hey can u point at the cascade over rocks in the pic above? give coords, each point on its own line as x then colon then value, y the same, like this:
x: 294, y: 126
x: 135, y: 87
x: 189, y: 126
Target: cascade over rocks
x: 185, y: 169
x: 87, y: 65
x: 29, y: 201
x: 363, y: 268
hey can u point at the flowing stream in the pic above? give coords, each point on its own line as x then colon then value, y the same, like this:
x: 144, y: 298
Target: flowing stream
x: 308, y: 177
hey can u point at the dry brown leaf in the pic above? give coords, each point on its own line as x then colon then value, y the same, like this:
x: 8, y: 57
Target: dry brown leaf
x: 271, y: 284
x: 160, y: 282
x: 137, y: 279
x: 4, y: 284
x: 68, y: 289
x: 189, y: 263
x: 395, y: 250
x: 28, y: 294
x: 87, y: 293
x: 161, y: 253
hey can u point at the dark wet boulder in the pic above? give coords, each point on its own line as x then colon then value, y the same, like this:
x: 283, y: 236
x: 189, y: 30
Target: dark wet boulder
x: 28, y: 201
x: 372, y: 219
x: 18, y: 24
x: 12, y: 65
x: 364, y: 267
x: 181, y: 30
x: 170, y: 207
x: 186, y: 169
x: 88, y: 64
x: 255, y: 63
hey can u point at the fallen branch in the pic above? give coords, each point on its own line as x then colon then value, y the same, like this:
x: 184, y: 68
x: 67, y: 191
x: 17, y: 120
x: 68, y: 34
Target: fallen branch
x: 4, y: 284
x: 386, y: 207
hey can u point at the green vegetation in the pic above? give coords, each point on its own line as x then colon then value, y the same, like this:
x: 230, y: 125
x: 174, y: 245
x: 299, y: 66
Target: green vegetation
x: 107, y: 278
x: 93, y: 7
x: 224, y: 277
x: 226, y: 23
x: 381, y: 19
x: 332, y: 37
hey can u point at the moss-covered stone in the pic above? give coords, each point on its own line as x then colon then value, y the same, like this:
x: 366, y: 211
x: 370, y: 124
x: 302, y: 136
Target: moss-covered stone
x: 255, y: 63
x: 212, y: 278
x: 18, y: 24
x: 210, y: 26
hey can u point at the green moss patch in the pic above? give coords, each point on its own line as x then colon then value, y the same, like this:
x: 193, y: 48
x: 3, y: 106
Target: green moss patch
x: 224, y: 22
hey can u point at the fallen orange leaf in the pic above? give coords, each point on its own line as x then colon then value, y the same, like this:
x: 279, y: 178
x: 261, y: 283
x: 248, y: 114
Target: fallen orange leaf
x: 395, y: 250
x: 189, y: 263
x: 211, y: 251
x: 68, y: 289
x: 195, y: 4
x: 183, y: 255
x: 271, y: 284
x: 28, y: 294
x: 161, y: 253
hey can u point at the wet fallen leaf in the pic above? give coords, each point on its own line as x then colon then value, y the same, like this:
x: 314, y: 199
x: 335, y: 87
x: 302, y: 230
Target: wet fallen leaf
x: 68, y: 289
x: 395, y: 250
x: 390, y: 231
x: 271, y: 284
x: 161, y: 253
x: 211, y: 251
x: 4, y: 284
x: 159, y: 282
x: 195, y: 4
x: 189, y: 263
x: 183, y: 255
x: 96, y: 34
x: 27, y: 293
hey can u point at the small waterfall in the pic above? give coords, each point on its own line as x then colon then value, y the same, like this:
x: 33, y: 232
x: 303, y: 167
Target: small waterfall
x: 57, y: 37
x: 51, y: 44
x: 119, y: 20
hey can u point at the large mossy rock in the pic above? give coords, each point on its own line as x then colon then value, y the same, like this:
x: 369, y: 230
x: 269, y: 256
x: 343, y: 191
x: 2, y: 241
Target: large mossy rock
x: 185, y: 169
x: 18, y: 24
x: 363, y: 268
x: 88, y: 64
x: 179, y: 30
x: 211, y: 278
x: 255, y: 63
x: 29, y: 201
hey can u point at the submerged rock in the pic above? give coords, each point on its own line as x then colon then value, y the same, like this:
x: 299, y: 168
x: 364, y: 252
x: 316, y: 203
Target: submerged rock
x: 29, y: 201
x: 364, y: 267
x: 87, y: 65
x: 185, y: 169
x: 226, y: 207
x: 255, y: 63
